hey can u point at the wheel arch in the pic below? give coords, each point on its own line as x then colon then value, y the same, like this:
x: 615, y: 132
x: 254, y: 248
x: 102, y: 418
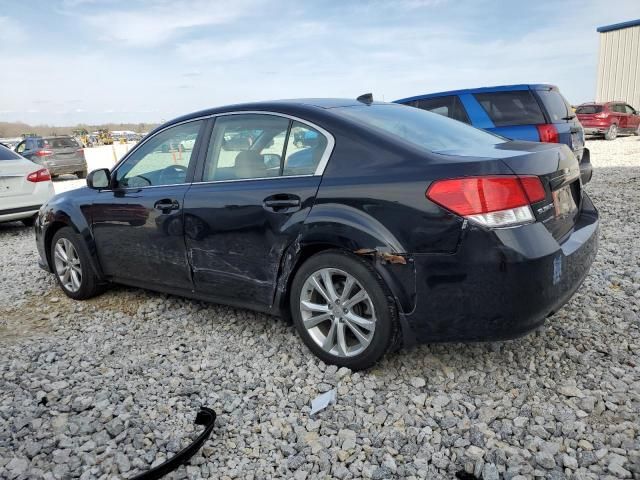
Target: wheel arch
x: 61, y: 219
x: 363, y: 237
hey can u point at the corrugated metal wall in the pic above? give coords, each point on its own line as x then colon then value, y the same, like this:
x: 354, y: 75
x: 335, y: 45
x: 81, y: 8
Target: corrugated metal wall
x: 619, y: 66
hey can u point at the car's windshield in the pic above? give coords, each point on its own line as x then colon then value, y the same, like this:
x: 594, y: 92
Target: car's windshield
x: 424, y: 129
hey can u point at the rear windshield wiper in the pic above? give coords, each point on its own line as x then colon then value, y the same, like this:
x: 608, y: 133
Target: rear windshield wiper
x: 569, y: 117
x: 206, y: 417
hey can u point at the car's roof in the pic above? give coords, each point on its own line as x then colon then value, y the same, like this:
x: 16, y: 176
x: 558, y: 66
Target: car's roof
x: 497, y: 88
x: 601, y: 103
x: 295, y: 105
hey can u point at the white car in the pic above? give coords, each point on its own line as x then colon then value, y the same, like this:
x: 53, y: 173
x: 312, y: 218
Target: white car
x: 24, y: 187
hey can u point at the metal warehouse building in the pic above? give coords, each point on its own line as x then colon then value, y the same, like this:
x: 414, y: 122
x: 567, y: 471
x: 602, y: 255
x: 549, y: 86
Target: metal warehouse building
x: 619, y: 63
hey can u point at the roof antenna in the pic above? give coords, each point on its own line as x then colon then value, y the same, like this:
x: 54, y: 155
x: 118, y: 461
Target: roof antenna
x: 366, y: 98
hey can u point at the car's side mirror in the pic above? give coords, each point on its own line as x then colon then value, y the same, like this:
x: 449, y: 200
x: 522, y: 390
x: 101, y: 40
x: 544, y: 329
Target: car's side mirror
x: 99, y: 179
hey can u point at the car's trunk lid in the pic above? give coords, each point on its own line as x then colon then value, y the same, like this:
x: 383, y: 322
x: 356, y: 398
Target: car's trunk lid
x: 557, y: 168
x: 65, y: 151
x: 13, y: 178
x: 559, y: 171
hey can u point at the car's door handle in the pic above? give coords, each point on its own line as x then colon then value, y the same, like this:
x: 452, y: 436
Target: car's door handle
x: 281, y: 203
x: 166, y: 205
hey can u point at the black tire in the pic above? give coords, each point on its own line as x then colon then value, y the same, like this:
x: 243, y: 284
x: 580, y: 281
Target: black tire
x: 612, y: 132
x: 29, y: 222
x: 386, y: 325
x: 81, y: 175
x: 90, y: 285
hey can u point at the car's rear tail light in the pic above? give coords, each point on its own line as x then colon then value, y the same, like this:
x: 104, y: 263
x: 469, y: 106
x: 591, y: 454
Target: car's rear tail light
x: 601, y: 115
x: 80, y: 152
x: 41, y: 175
x: 44, y: 153
x: 492, y: 201
x: 548, y: 133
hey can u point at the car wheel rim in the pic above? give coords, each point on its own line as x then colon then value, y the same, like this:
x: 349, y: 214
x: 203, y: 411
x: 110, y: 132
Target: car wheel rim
x: 337, y: 312
x: 614, y: 130
x: 68, y: 266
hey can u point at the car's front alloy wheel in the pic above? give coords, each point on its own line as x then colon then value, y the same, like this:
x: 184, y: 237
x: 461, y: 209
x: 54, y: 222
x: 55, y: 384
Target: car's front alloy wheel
x: 71, y: 264
x: 343, y: 310
x: 68, y: 265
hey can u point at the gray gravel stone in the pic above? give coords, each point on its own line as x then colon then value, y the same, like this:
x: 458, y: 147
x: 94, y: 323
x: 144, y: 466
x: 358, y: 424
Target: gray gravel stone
x: 110, y: 387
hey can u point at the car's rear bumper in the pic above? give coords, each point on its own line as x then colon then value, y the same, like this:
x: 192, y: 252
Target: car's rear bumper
x: 595, y: 130
x: 500, y: 284
x: 63, y: 169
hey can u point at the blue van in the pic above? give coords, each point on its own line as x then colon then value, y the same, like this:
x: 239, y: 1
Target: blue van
x: 538, y: 113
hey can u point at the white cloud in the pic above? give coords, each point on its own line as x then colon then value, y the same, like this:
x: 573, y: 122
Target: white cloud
x: 156, y: 23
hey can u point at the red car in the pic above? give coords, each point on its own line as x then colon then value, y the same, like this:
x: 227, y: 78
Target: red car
x: 608, y: 119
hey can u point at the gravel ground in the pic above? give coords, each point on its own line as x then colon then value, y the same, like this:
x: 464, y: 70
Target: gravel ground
x: 108, y: 387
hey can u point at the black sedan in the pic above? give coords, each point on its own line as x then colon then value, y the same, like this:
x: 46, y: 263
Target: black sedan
x: 387, y: 226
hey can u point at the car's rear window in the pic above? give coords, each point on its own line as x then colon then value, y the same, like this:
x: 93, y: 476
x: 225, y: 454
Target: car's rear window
x: 60, y: 142
x: 589, y: 109
x: 428, y: 130
x: 6, y: 154
x: 517, y: 107
x: 557, y: 107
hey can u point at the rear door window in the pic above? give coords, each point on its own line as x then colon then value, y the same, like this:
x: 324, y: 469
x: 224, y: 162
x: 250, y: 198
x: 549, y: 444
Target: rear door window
x: 589, y: 109
x: 448, y: 106
x: 246, y: 146
x: 517, y: 107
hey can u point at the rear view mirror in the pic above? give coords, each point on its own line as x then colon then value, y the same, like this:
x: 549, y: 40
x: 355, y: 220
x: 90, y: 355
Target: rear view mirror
x: 99, y: 179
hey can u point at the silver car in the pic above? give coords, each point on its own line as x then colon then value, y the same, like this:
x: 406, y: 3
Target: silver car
x: 24, y: 187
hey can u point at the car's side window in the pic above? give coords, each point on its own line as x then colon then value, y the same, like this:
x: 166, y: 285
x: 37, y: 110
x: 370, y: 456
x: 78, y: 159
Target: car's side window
x: 305, y: 148
x: 22, y: 146
x: 448, y: 106
x: 629, y: 109
x: 161, y: 160
x: 246, y: 146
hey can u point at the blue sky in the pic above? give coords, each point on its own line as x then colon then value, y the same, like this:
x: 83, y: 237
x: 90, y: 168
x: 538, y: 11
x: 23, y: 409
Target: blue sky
x: 128, y: 60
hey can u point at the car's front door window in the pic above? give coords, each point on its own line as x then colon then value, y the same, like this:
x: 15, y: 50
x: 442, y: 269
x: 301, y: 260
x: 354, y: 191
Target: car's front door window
x: 162, y: 160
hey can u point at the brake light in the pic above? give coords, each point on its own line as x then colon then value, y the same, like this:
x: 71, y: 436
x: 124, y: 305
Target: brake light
x: 601, y: 115
x: 44, y: 153
x: 41, y: 175
x: 80, y: 151
x: 493, y: 201
x: 548, y: 133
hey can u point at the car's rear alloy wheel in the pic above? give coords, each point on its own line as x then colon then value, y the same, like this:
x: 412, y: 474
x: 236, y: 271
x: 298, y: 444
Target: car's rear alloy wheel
x: 612, y: 132
x: 72, y: 265
x: 68, y: 266
x: 337, y: 312
x: 342, y: 310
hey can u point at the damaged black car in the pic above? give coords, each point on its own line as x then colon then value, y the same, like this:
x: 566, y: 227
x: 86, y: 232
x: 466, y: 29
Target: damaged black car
x: 371, y: 225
